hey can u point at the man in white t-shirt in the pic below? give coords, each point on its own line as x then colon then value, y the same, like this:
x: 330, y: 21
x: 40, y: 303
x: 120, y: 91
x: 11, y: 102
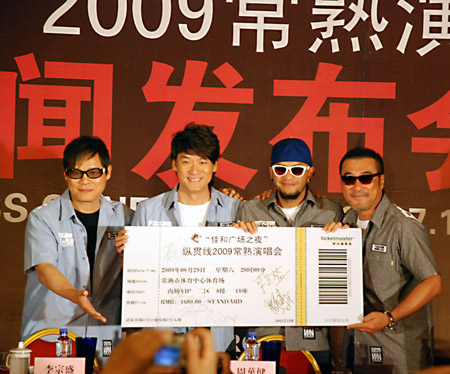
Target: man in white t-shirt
x: 294, y: 205
x: 193, y: 201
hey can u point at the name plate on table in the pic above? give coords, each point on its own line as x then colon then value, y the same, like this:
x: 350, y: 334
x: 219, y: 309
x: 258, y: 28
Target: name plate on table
x: 217, y: 276
x: 60, y: 365
x: 252, y: 367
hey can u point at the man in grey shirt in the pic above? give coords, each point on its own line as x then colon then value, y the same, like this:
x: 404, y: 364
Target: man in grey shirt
x: 294, y: 205
x: 74, y: 272
x: 193, y: 201
x: 400, y: 273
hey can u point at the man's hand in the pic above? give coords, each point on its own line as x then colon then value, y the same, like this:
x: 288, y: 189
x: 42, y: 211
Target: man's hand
x: 333, y: 226
x: 121, y: 239
x: 201, y: 358
x: 231, y: 192
x: 249, y: 227
x: 134, y: 354
x: 265, y: 195
x: 224, y: 363
x: 371, y: 323
x: 55, y: 281
x: 81, y: 299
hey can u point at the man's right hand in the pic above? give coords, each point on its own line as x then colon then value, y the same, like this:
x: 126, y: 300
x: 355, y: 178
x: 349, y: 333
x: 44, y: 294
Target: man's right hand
x: 231, y: 192
x: 81, y: 299
x: 55, y: 281
x: 265, y: 194
x: 333, y: 226
x: 121, y: 239
x: 201, y: 358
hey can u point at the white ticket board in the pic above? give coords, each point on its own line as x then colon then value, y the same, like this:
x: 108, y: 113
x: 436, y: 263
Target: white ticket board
x: 217, y: 276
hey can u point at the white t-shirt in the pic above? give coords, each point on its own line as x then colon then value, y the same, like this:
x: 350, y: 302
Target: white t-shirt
x: 193, y: 215
x: 362, y: 224
x: 290, y: 213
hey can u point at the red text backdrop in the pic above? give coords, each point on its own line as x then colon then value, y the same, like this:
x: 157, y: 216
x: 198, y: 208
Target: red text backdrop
x: 335, y: 73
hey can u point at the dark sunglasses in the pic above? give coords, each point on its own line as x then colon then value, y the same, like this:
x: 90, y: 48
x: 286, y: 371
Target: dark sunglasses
x: 350, y: 180
x: 296, y: 171
x: 91, y: 173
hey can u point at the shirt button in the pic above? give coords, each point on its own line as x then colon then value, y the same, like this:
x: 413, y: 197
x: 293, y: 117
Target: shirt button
x: 83, y: 258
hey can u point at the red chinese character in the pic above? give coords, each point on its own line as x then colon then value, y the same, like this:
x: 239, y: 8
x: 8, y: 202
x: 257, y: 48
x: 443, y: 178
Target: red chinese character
x: 338, y: 124
x: 438, y: 113
x: 185, y: 97
x: 52, y: 126
x: 7, y: 114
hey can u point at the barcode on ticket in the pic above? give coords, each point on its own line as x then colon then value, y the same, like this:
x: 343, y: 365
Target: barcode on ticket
x: 333, y: 276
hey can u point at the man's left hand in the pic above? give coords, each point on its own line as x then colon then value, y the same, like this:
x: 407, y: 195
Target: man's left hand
x: 371, y: 323
x: 231, y: 192
x: 248, y: 227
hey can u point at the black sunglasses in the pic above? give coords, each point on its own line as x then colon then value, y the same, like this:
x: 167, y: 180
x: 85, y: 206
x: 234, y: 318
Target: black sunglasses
x: 91, y: 173
x: 350, y: 180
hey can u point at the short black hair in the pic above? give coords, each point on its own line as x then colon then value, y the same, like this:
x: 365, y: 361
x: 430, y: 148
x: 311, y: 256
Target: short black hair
x: 198, y: 140
x: 363, y: 153
x: 85, y: 147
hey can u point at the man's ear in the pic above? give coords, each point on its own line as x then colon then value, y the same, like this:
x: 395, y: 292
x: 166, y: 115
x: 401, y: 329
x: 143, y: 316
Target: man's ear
x: 174, y: 165
x: 108, y: 175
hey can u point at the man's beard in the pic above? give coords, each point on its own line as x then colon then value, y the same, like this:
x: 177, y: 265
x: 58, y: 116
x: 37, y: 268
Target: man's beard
x: 289, y: 196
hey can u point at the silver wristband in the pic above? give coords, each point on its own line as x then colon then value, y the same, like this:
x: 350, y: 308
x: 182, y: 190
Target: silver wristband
x: 391, y: 324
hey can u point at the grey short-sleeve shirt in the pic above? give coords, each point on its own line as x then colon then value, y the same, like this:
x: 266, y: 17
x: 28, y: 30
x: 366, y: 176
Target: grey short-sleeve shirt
x: 397, y: 257
x: 163, y: 210
x: 314, y: 212
x: 55, y: 235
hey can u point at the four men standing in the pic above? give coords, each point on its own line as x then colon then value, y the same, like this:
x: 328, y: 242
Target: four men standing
x: 70, y: 252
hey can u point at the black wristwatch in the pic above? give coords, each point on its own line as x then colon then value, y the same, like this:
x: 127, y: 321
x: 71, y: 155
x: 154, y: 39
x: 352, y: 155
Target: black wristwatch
x: 391, y: 324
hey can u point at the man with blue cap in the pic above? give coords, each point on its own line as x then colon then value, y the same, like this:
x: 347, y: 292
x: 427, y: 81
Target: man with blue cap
x: 294, y: 205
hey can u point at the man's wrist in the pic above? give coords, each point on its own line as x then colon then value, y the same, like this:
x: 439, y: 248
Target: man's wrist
x: 391, y: 321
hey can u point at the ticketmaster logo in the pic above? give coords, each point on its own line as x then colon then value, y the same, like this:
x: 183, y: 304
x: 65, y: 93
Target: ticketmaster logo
x: 337, y: 238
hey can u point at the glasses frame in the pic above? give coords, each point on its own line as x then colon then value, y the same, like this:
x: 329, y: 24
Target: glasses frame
x: 289, y: 169
x: 365, y: 179
x: 103, y: 170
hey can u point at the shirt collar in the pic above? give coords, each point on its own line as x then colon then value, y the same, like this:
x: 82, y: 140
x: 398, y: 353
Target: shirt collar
x: 377, y: 217
x: 67, y: 210
x: 380, y: 211
x: 217, y: 198
x: 171, y: 198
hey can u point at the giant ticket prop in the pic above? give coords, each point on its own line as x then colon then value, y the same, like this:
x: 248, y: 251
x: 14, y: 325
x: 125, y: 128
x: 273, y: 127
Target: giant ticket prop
x: 216, y: 276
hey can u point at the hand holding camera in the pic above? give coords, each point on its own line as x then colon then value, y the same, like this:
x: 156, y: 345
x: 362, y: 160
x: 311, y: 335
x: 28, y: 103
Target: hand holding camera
x: 135, y: 354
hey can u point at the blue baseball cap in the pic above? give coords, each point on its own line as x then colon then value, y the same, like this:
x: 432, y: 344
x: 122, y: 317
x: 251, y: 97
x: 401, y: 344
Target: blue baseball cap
x: 291, y: 149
